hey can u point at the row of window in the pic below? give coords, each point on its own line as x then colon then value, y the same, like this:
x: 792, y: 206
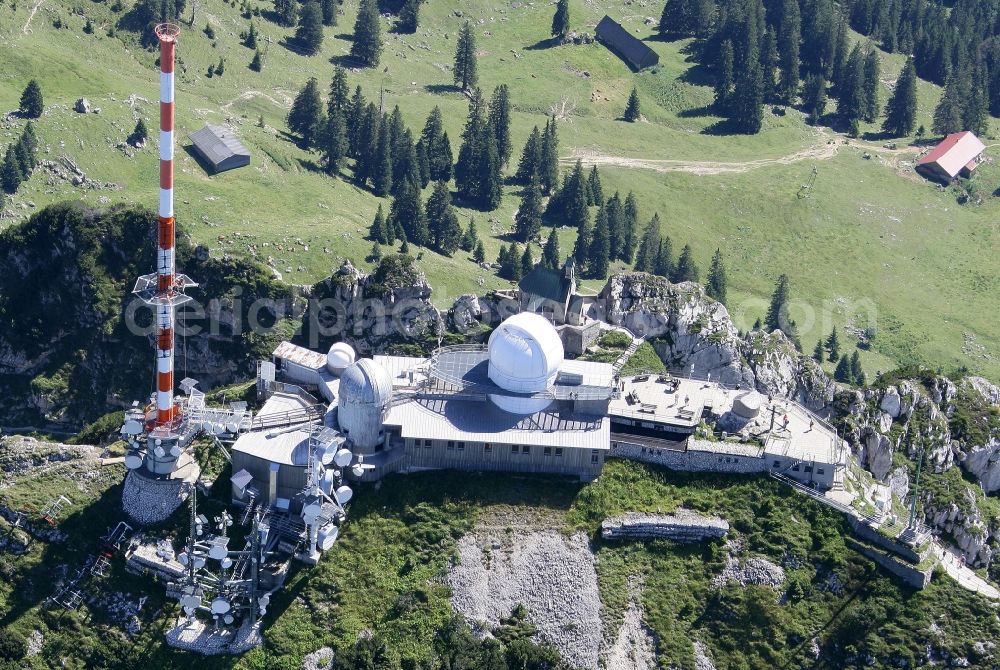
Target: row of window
x: 452, y: 445
x: 805, y: 468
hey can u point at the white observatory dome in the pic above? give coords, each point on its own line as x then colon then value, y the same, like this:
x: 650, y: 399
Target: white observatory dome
x: 339, y: 358
x: 525, y: 354
x: 365, y: 392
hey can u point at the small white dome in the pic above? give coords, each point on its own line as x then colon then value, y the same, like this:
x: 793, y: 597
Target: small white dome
x: 365, y: 383
x: 340, y: 357
x: 525, y: 354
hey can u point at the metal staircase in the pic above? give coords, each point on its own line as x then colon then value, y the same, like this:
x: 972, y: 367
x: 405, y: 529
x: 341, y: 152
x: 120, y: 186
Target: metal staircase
x: 627, y: 354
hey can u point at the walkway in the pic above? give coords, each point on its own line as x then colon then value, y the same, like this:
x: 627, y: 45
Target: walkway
x: 964, y: 576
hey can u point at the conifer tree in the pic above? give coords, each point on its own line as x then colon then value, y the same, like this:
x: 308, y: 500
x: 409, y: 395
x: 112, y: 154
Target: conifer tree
x: 355, y: 117
x: 560, y: 20
x: 789, y: 36
x: 470, y: 236
x: 814, y: 97
x: 527, y: 262
x: 572, y: 199
x: 10, y: 173
x: 442, y: 221
x: 377, y: 231
x: 257, y: 63
x: 686, y: 269
x: 850, y: 88
x: 581, y: 248
x: 724, y: 77
x: 287, y: 12
x: 833, y: 345
x: 306, y: 115
x: 367, y: 45
x: 531, y: 157
x: 857, y: 374
x: 768, y: 66
x: 599, y: 252
x: 381, y: 169
x: 949, y: 111
x: 138, y: 136
x: 976, y: 114
x: 615, y: 215
x: 548, y: 170
x: 407, y: 213
x: 595, y: 192
x: 465, y: 70
x: 409, y: 17
x: 340, y: 95
x: 901, y: 110
x: 630, y: 229
x: 25, y: 160
x: 32, y: 104
x: 716, y: 286
x: 550, y: 253
x: 649, y: 248
x: 490, y: 173
x: 499, y: 118
x: 375, y: 255
x: 405, y: 165
x: 329, y: 8
x: 310, y: 31
x: 469, y: 166
x: 435, y: 141
x: 777, y: 311
x: 665, y: 265
x: 404, y: 248
x: 250, y: 38
x: 872, y: 73
x: 528, y: 220
x: 334, y: 142
x: 843, y: 371
x: 479, y: 255
x: 632, y: 108
x: 818, y: 354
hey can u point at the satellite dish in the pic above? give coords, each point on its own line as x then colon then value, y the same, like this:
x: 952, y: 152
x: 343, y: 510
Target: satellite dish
x: 311, y: 511
x: 263, y: 611
x: 227, y: 562
x: 264, y: 600
x: 327, y: 536
x: 159, y: 452
x: 344, y: 495
x: 326, y: 456
x: 218, y: 428
x: 233, y: 427
x: 199, y: 562
x: 158, y: 441
x: 207, y: 426
x: 131, y: 427
x: 190, y: 603
x: 183, y: 558
x: 132, y: 461
x: 343, y: 458
x: 220, y: 606
x: 175, y: 450
x: 357, y: 470
x: 329, y: 478
x: 228, y: 619
x: 218, y: 552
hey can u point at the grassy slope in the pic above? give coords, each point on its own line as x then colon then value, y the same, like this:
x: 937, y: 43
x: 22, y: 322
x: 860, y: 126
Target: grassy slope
x: 866, y: 233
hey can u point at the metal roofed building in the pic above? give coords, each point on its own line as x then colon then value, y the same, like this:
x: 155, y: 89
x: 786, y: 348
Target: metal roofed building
x: 220, y: 148
x: 628, y: 47
x: 957, y: 154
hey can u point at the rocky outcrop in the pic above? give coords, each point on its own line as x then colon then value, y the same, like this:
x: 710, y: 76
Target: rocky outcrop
x: 694, y: 333
x: 682, y: 526
x: 464, y: 315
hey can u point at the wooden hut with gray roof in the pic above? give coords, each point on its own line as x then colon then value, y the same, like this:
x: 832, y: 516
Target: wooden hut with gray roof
x: 628, y: 47
x: 219, y: 147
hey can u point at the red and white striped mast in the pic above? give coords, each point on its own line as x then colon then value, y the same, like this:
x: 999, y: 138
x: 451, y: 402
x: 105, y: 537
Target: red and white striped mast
x: 163, y: 291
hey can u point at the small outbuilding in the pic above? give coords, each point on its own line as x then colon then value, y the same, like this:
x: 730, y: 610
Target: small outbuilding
x: 220, y: 148
x: 957, y: 154
x: 628, y: 47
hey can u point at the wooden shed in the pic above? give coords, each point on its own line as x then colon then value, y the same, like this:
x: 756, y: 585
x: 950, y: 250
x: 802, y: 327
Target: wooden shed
x: 219, y: 147
x: 628, y: 47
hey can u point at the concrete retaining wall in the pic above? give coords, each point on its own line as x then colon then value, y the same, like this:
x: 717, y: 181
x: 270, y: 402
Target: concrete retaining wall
x: 907, y: 573
x: 684, y: 526
x: 691, y: 460
x: 869, y: 534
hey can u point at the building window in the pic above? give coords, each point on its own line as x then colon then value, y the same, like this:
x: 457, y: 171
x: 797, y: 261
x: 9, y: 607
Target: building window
x: 427, y: 443
x: 809, y: 468
x: 820, y: 471
x: 559, y: 451
x: 461, y: 446
x: 595, y: 456
x: 488, y: 448
x: 547, y: 451
x: 513, y: 449
x: 777, y: 464
x: 796, y: 468
x: 526, y: 449
x: 451, y: 445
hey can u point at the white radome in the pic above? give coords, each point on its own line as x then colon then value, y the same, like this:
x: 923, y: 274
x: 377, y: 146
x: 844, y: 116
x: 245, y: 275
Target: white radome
x: 340, y: 357
x: 525, y: 354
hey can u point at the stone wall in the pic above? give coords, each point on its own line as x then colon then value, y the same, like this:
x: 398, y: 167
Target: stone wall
x: 869, y: 534
x: 683, y: 526
x: 691, y: 460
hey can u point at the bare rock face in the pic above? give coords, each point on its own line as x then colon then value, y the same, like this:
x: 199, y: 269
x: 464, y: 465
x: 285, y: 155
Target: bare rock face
x: 891, y: 403
x: 465, y: 313
x: 781, y: 370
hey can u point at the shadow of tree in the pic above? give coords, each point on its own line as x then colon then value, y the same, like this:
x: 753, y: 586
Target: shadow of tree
x: 543, y: 44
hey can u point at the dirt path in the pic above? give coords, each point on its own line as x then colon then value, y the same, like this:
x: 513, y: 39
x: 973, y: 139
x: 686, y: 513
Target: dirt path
x: 286, y: 101
x: 827, y: 146
x: 27, y: 24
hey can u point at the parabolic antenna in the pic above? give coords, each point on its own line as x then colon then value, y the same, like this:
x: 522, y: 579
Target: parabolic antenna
x: 327, y: 536
x: 327, y: 482
x: 218, y: 429
x: 207, y: 426
x: 159, y: 452
x: 133, y: 461
x: 175, y: 450
x: 183, y: 558
x: 220, y: 606
x: 228, y: 619
x: 227, y: 562
x: 343, y: 458
x: 131, y: 427
x: 218, y: 552
x: 343, y: 495
x: 190, y: 603
x: 310, y: 512
x: 264, y: 600
x: 233, y: 427
x: 199, y: 562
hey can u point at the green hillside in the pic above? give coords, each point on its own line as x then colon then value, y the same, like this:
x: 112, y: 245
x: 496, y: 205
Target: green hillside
x: 868, y: 236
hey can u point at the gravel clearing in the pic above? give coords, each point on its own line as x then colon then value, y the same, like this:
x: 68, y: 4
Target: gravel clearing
x: 702, y: 659
x: 756, y: 571
x: 321, y: 659
x: 550, y: 574
x: 149, y: 501
x: 635, y: 647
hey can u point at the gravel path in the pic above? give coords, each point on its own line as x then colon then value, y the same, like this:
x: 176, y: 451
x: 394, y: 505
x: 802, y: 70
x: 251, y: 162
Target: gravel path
x: 634, y: 648
x: 550, y: 574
